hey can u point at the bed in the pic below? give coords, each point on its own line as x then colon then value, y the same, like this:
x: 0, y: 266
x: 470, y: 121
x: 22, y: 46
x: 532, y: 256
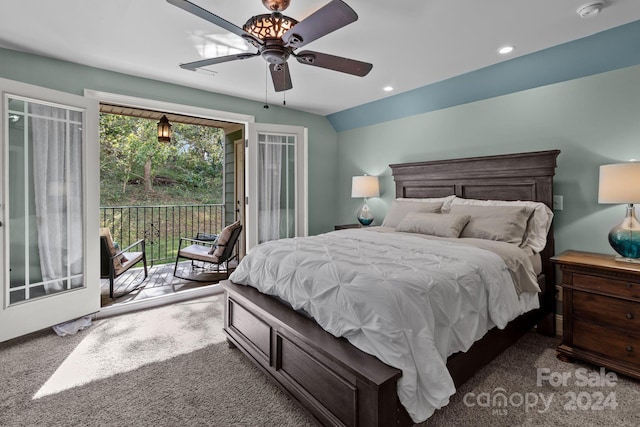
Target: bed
x: 338, y: 384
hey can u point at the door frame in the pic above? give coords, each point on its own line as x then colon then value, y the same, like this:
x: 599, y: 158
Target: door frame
x: 240, y: 191
x: 170, y: 107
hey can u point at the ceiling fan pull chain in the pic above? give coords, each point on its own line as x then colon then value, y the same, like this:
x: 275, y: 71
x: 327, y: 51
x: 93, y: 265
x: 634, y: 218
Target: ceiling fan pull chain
x: 266, y: 85
x: 284, y: 92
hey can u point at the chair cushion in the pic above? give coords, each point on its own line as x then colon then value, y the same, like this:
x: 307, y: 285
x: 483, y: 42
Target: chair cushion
x: 223, y: 239
x: 199, y: 252
x: 129, y: 259
x: 106, y: 233
x: 117, y: 262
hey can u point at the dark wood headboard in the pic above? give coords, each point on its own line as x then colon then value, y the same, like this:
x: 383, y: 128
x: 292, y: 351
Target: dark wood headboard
x: 521, y: 176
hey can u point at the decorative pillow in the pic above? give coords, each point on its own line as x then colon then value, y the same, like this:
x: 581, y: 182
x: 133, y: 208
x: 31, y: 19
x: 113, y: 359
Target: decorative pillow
x: 433, y: 224
x: 222, y: 241
x: 537, y: 227
x: 399, y: 208
x: 446, y: 201
x: 106, y: 233
x: 502, y: 223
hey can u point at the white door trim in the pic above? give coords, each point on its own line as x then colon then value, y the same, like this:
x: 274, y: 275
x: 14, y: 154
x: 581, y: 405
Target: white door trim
x: 168, y: 107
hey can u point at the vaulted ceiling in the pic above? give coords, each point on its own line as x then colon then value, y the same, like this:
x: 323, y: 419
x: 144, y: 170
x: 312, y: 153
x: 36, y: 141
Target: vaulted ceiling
x: 411, y: 43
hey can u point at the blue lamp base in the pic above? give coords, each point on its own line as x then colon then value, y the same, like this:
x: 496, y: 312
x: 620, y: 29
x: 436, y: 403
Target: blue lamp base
x: 625, y: 237
x: 364, y: 215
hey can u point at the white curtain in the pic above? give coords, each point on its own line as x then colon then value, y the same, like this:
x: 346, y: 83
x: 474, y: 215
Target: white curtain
x: 269, y: 187
x: 56, y: 137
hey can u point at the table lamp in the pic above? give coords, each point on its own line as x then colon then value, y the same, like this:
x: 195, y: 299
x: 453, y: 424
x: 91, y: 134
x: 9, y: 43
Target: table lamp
x: 365, y: 186
x: 620, y: 183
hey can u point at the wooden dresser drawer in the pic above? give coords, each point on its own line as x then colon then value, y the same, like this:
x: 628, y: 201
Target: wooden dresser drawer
x: 615, y: 287
x: 618, y: 313
x: 621, y: 346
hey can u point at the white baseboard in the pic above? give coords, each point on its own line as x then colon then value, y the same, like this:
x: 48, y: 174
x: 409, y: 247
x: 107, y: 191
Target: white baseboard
x: 127, y: 307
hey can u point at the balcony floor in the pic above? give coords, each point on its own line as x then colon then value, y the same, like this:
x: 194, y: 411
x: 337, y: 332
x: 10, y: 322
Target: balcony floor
x: 160, y: 282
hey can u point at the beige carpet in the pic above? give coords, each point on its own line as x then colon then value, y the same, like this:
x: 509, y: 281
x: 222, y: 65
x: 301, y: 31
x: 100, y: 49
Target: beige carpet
x: 170, y: 366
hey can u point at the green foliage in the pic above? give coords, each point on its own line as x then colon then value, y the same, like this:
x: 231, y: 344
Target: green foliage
x: 186, y: 170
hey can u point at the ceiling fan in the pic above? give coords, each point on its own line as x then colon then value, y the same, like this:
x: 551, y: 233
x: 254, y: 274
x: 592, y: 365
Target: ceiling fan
x: 277, y: 37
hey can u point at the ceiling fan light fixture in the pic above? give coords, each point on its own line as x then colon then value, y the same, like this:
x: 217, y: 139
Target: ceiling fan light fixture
x: 269, y: 26
x: 276, y: 5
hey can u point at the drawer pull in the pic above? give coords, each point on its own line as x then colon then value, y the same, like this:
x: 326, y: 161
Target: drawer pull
x: 629, y: 316
x: 629, y: 348
x: 629, y: 285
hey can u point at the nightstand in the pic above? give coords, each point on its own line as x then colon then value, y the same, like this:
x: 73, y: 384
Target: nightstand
x: 345, y: 226
x: 600, y: 311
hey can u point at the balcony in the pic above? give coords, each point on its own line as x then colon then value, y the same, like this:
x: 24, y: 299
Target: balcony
x: 161, y: 226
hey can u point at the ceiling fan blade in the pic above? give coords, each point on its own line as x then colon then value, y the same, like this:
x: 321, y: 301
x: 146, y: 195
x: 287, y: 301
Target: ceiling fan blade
x: 323, y: 21
x: 280, y: 76
x: 219, y: 60
x: 215, y: 19
x: 336, y: 63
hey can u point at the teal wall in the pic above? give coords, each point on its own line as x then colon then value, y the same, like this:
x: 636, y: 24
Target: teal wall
x: 593, y: 120
x: 74, y: 78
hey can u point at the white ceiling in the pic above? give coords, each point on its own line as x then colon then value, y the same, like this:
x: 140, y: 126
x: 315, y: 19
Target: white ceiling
x: 411, y: 43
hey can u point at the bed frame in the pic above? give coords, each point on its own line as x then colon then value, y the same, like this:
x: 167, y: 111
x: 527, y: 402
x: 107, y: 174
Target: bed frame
x: 339, y: 385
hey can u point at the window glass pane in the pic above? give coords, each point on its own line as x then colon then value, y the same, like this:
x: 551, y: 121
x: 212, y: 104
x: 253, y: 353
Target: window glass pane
x: 276, y: 183
x: 45, y: 201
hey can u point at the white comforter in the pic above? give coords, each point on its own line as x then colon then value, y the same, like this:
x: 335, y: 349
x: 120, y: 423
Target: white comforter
x: 408, y: 301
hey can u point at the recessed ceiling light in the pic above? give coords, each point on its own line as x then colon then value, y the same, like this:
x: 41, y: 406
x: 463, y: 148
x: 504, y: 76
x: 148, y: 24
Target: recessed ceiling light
x: 387, y: 88
x: 591, y: 9
x: 506, y: 49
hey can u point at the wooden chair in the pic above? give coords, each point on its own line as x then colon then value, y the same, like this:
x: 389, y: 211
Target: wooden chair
x: 114, y: 262
x: 216, y: 254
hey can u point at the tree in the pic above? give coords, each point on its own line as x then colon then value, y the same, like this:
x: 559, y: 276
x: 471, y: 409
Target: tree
x: 131, y: 145
x: 130, y: 153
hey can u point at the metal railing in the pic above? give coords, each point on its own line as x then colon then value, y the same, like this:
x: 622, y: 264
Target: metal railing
x: 161, y: 226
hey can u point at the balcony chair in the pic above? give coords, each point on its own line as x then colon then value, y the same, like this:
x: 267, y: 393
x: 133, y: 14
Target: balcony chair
x: 215, y: 255
x: 114, y: 262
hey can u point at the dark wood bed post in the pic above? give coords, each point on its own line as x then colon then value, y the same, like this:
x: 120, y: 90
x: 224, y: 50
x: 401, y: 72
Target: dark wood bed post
x: 339, y: 385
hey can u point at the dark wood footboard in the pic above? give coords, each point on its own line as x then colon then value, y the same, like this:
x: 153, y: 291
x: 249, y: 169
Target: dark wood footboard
x: 337, y: 384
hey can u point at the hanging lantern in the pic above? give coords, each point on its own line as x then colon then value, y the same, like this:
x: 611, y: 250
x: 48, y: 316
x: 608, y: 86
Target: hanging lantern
x: 164, y: 130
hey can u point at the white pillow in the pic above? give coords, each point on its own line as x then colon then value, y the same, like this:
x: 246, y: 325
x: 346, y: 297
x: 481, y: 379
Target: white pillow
x: 433, y: 224
x: 537, y: 227
x: 400, y: 208
x: 446, y: 201
x: 501, y: 223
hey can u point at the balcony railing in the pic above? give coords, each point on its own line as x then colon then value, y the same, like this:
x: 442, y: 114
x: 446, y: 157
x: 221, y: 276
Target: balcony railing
x: 161, y: 226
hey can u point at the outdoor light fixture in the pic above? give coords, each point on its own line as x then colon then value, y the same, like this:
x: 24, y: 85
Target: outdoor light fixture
x: 365, y: 186
x: 620, y: 183
x: 164, y: 129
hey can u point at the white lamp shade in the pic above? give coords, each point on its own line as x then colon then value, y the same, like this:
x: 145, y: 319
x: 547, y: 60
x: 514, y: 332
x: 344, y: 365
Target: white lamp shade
x: 365, y: 186
x: 619, y: 183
